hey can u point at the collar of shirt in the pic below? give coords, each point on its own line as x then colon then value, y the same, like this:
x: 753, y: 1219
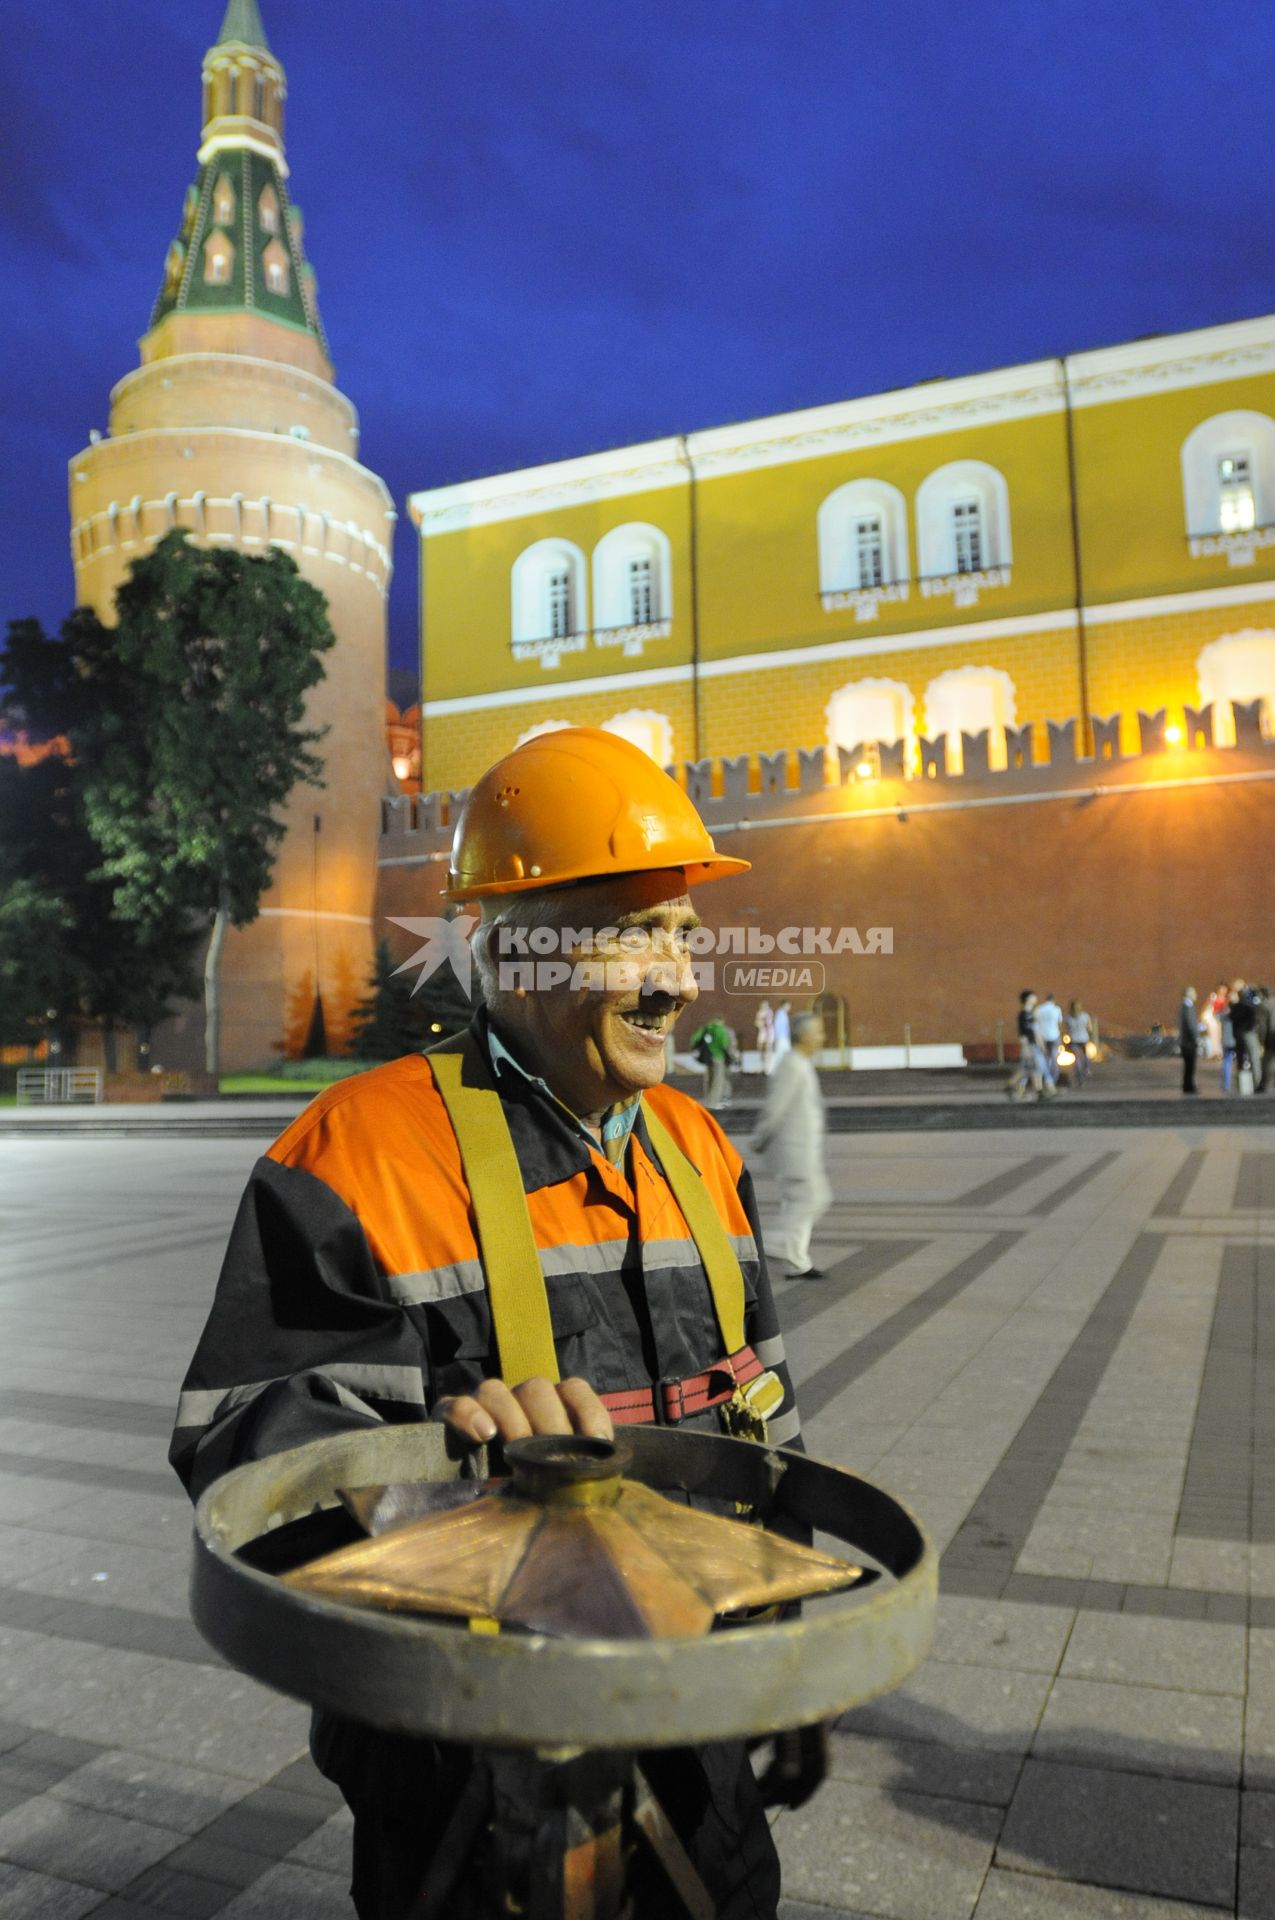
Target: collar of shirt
x: 617, y: 1121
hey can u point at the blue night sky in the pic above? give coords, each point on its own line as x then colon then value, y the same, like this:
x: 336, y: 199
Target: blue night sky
x: 543, y: 227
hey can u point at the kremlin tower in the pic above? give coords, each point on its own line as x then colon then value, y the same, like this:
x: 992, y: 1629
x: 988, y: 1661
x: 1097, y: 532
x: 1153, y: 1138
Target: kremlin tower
x: 232, y: 428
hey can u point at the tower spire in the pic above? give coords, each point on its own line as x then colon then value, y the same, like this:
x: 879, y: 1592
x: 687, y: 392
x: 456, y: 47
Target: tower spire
x: 242, y: 26
x: 238, y: 259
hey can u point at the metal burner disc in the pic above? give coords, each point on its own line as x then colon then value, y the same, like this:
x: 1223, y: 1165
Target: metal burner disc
x: 526, y: 1690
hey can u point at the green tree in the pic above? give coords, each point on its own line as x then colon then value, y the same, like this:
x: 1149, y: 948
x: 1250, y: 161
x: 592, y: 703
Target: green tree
x: 396, y: 1018
x: 186, y: 723
x: 85, y: 963
x: 37, y: 968
x: 387, y: 1022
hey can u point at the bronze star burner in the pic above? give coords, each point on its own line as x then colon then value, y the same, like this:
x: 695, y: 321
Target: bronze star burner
x: 567, y: 1546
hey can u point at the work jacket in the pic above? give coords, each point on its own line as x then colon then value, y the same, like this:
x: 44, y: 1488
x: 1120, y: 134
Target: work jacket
x: 352, y: 1290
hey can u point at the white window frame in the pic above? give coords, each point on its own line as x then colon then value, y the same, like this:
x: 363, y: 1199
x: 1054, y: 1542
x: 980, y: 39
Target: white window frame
x: 943, y: 698
x: 1239, y: 432
x: 837, y: 524
x: 223, y: 190
x: 937, y: 498
x: 1237, y: 666
x: 219, y: 253
x: 616, y: 552
x: 646, y: 729
x: 530, y: 586
x: 845, y: 731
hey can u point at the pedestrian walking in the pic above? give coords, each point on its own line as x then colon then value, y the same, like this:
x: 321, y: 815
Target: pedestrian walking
x: 1079, y: 1034
x: 1188, y: 1039
x: 1211, y: 1021
x: 783, y: 1030
x: 1266, y: 1035
x: 790, y: 1133
x: 1226, y: 1026
x: 1049, y: 1025
x: 765, y: 1027
x: 1030, y: 1077
x: 714, y: 1049
x: 1248, y: 1048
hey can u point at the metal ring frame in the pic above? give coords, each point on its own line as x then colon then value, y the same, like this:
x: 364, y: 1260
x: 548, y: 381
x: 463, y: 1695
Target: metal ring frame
x: 430, y: 1677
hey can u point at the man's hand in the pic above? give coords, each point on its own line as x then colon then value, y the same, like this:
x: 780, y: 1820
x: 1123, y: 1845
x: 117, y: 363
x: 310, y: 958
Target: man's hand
x: 537, y: 1406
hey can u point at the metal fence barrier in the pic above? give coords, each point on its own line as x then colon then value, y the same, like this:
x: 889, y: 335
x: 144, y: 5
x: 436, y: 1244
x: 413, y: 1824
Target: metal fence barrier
x: 59, y: 1086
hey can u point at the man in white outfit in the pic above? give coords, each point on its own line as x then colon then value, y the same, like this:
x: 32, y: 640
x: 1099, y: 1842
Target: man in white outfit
x: 790, y: 1133
x: 1049, y: 1025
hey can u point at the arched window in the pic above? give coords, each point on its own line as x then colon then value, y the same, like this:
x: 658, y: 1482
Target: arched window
x: 174, y: 266
x: 550, y: 599
x: 224, y: 201
x: 863, y: 538
x: 259, y: 98
x: 652, y: 732
x: 268, y: 209
x: 962, y: 521
x: 870, y: 710
x: 1240, y: 666
x: 632, y: 577
x: 970, y: 700
x: 219, y: 259
x: 541, y: 726
x: 276, y: 268
x: 1228, y: 474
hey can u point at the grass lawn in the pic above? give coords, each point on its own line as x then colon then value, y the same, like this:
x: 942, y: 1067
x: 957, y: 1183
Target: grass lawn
x: 269, y: 1083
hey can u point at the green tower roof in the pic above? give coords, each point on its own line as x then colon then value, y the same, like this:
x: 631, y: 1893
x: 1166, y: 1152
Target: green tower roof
x: 240, y: 247
x: 243, y: 24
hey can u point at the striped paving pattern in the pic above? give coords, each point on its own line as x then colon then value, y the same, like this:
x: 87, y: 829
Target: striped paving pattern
x: 1057, y: 1350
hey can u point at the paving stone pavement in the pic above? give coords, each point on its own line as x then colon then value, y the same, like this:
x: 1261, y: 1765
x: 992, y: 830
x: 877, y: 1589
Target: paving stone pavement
x: 1057, y: 1350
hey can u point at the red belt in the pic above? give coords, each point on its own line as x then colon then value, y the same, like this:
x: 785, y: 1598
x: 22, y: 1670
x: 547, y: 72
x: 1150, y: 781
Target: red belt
x: 670, y: 1401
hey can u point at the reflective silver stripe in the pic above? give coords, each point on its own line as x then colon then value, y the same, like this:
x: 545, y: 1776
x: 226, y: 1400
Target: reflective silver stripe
x: 436, y: 1283
x: 770, y: 1352
x: 201, y: 1405
x: 779, y: 1432
x: 596, y: 1256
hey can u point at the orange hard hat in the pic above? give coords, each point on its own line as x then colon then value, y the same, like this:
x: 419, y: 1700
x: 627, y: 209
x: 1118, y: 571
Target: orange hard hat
x: 577, y: 804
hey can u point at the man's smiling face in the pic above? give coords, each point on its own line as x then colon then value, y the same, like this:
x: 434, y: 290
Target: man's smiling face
x: 600, y: 1037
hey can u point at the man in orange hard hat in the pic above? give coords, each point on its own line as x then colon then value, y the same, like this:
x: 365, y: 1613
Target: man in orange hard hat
x: 520, y: 1231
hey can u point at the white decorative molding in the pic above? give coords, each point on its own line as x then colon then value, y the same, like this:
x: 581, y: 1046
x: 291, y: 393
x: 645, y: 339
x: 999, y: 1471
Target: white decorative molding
x: 1241, y: 549
x: 548, y: 652
x: 972, y: 699
x: 1236, y: 666
x: 871, y: 709
x: 1203, y: 357
x: 643, y: 727
x: 632, y: 639
x: 867, y: 601
x: 965, y: 587
x: 102, y: 532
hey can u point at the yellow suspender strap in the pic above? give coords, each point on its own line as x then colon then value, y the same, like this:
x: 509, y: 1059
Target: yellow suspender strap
x: 506, y: 1245
x: 726, y: 1282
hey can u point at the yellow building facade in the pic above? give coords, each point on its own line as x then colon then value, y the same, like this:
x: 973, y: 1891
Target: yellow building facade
x: 1060, y: 541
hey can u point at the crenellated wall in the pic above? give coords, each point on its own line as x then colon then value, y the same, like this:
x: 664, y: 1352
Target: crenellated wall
x: 1115, y: 878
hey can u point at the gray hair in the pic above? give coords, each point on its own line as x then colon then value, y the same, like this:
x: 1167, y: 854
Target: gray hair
x: 804, y: 1021
x: 520, y: 912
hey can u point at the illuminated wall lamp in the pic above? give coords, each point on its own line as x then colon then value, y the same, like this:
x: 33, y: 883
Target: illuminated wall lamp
x: 1173, y: 735
x: 402, y: 766
x: 865, y: 770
